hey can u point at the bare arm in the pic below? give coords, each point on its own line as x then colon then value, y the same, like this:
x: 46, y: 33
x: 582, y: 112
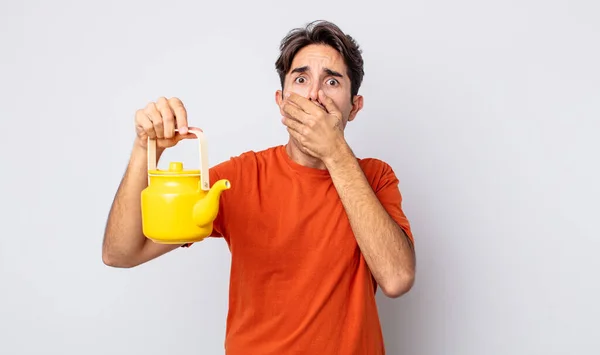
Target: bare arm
x: 124, y: 244
x: 386, y: 248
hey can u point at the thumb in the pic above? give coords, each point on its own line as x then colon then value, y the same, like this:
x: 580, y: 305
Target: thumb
x: 328, y: 102
x: 182, y: 136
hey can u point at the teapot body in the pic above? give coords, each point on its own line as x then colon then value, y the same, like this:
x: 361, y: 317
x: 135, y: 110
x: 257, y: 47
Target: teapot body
x: 179, y: 206
x: 168, y: 209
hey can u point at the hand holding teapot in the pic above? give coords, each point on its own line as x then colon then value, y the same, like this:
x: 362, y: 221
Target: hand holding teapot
x: 165, y: 121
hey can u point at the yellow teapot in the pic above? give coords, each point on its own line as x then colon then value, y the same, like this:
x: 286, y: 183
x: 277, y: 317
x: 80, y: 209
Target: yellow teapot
x: 178, y: 206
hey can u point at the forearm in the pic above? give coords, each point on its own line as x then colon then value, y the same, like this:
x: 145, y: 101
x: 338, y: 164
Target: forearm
x: 124, y: 244
x: 386, y: 248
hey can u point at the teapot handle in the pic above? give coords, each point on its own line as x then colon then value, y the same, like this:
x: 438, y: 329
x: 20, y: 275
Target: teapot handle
x: 204, y: 173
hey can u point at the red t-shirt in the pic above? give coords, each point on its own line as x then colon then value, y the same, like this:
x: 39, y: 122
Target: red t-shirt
x: 299, y: 283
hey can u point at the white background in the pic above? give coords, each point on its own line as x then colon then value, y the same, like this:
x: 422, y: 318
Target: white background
x: 488, y: 111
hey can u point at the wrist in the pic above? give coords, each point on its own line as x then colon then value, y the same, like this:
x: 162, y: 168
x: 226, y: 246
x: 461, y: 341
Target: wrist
x: 339, y: 156
x: 140, y: 151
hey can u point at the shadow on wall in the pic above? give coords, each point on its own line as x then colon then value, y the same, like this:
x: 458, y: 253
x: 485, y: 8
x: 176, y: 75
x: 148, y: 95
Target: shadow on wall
x: 403, y: 321
x: 411, y: 322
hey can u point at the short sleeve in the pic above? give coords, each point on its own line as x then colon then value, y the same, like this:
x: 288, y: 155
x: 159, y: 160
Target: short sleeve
x: 388, y: 193
x: 230, y: 170
x: 224, y: 170
x: 218, y: 229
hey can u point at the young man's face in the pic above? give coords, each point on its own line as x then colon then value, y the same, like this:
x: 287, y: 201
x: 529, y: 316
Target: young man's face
x: 320, y: 67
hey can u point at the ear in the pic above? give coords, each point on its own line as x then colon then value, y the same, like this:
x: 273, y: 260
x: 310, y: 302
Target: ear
x: 279, y: 100
x: 357, y: 105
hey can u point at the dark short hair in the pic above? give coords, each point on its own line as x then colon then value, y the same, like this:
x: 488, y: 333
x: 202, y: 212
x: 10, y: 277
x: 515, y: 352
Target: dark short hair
x: 322, y: 32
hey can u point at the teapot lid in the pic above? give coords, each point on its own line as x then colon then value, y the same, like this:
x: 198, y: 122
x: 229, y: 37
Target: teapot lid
x: 175, y: 169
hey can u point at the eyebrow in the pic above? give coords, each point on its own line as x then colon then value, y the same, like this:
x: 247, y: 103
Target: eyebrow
x: 306, y: 68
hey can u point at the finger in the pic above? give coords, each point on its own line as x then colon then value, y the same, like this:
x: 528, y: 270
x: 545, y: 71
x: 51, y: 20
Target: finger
x: 294, y: 112
x: 188, y: 135
x: 155, y: 118
x: 330, y: 106
x: 144, y: 124
x: 297, y: 136
x: 303, y: 103
x: 292, y: 124
x: 318, y: 104
x: 141, y: 133
x: 301, y: 142
x: 180, y: 112
x: 168, y: 117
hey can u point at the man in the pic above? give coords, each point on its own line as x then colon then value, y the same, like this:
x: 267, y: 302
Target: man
x: 313, y: 230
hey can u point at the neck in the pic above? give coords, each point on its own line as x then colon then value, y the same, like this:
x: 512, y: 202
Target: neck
x: 296, y: 154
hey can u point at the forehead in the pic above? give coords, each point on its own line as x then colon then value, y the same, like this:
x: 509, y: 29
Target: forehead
x: 318, y: 57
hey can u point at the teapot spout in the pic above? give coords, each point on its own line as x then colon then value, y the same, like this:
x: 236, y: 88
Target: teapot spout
x: 205, y: 210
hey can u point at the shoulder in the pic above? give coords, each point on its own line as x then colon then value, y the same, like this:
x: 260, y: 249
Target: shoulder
x: 374, y: 165
x: 246, y: 171
x: 248, y: 162
x: 250, y: 157
x: 378, y: 172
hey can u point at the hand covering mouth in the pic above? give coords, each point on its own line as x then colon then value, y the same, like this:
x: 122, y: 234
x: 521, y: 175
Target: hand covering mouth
x: 319, y: 104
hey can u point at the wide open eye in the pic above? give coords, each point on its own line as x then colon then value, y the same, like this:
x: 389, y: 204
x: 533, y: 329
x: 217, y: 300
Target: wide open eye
x: 332, y: 82
x: 300, y: 80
